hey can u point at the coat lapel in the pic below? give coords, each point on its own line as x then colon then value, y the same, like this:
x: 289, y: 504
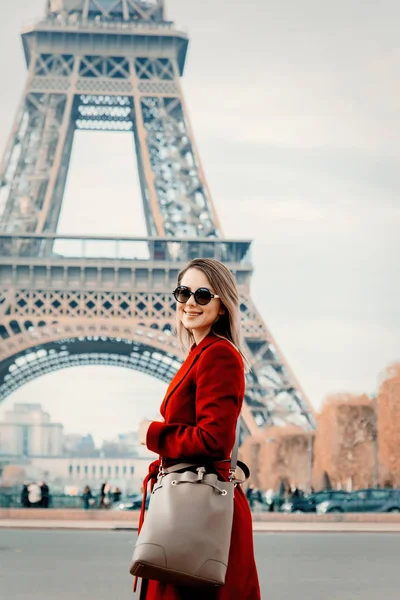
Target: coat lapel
x: 186, y: 366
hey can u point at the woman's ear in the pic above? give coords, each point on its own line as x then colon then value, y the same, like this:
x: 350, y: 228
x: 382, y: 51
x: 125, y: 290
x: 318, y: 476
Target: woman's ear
x: 221, y: 311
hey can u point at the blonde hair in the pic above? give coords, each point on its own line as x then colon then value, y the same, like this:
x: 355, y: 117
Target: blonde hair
x: 228, y: 325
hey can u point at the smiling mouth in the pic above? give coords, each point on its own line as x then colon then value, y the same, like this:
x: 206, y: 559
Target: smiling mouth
x: 189, y: 314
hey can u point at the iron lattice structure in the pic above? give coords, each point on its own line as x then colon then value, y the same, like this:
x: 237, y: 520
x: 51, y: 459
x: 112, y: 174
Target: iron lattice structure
x: 68, y: 300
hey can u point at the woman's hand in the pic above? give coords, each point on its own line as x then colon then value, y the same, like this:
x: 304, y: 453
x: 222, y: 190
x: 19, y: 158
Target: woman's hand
x: 143, y: 427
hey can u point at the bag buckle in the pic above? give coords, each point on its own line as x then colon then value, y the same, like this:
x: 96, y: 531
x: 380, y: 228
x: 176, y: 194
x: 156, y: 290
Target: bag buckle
x: 232, y: 475
x: 200, y: 473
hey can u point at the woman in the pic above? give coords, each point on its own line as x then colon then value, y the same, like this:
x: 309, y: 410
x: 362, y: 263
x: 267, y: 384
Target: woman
x: 25, y: 496
x: 200, y: 411
x: 87, y: 497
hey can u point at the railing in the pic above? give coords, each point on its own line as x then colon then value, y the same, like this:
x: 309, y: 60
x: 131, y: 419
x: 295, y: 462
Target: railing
x: 56, y: 501
x: 106, y: 26
x: 63, y: 247
x: 68, y: 502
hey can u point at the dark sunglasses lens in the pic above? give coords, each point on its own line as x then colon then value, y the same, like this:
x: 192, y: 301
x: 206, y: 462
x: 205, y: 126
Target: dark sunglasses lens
x: 182, y: 294
x: 203, y: 296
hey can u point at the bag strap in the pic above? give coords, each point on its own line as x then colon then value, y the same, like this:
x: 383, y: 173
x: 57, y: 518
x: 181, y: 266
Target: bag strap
x: 237, y: 463
x: 234, y: 462
x: 234, y: 455
x: 246, y: 472
x: 181, y: 466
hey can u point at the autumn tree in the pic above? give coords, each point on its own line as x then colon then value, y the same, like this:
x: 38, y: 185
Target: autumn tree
x: 249, y: 452
x: 388, y: 402
x: 13, y: 475
x: 344, y: 448
x: 279, y: 454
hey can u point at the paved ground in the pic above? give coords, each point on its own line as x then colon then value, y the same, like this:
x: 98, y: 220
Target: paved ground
x: 268, y: 526
x: 72, y: 565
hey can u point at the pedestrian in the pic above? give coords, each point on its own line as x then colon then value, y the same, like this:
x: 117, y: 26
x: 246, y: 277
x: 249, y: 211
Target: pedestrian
x: 116, y: 494
x: 270, y: 499
x: 107, y: 496
x: 45, y: 493
x: 200, y: 412
x: 102, y: 494
x: 34, y: 495
x: 250, y: 496
x: 87, y: 498
x: 297, y: 493
x: 25, y: 496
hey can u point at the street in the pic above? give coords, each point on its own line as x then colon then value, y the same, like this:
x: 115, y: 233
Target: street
x: 72, y: 565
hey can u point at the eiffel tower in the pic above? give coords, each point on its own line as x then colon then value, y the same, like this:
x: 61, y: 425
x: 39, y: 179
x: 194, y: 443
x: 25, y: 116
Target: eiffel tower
x: 69, y: 300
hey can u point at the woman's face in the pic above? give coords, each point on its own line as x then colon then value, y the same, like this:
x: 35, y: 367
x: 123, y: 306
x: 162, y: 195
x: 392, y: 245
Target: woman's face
x: 198, y: 318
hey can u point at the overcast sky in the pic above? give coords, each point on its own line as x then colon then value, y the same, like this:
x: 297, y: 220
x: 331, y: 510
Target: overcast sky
x: 295, y: 109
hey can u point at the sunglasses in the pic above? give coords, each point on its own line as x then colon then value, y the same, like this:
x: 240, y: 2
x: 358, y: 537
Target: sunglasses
x: 202, y: 296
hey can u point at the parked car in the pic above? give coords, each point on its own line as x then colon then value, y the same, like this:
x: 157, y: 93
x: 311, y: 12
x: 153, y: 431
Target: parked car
x: 370, y: 500
x: 133, y: 503
x: 308, y: 504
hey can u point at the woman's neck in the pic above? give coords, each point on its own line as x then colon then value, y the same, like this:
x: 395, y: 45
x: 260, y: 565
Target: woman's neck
x: 200, y: 335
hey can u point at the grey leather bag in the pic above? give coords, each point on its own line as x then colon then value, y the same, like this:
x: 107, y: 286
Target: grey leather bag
x: 185, y: 537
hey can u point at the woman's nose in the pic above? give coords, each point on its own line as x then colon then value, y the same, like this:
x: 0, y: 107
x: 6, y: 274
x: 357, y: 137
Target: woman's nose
x: 191, y: 301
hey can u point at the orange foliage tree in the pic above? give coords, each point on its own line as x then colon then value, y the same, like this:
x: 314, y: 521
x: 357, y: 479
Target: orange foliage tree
x: 279, y: 455
x: 344, y: 448
x: 388, y: 402
x: 13, y: 475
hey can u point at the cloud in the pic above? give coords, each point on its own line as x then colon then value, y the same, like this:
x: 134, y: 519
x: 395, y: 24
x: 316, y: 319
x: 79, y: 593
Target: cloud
x: 362, y: 342
x: 291, y: 211
x: 304, y: 74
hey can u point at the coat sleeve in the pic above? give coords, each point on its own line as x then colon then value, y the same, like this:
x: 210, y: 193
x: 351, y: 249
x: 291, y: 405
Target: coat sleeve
x: 219, y: 397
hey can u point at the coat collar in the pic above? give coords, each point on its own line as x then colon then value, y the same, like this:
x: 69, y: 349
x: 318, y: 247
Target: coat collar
x: 209, y: 339
x: 191, y: 359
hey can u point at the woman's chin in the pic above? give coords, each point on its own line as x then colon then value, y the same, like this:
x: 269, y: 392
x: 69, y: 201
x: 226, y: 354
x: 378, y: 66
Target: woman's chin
x: 189, y: 325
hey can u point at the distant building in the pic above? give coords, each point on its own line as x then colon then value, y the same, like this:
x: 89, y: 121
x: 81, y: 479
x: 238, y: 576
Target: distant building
x: 126, y: 473
x: 27, y: 437
x: 125, y: 444
x: 26, y: 431
x: 71, y: 443
x: 76, y: 444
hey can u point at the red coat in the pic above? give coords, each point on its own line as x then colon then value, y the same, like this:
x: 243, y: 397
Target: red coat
x: 200, y: 410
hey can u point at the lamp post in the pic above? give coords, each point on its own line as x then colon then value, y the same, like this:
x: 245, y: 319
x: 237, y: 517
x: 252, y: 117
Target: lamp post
x: 310, y: 455
x: 269, y: 441
x: 375, y: 442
